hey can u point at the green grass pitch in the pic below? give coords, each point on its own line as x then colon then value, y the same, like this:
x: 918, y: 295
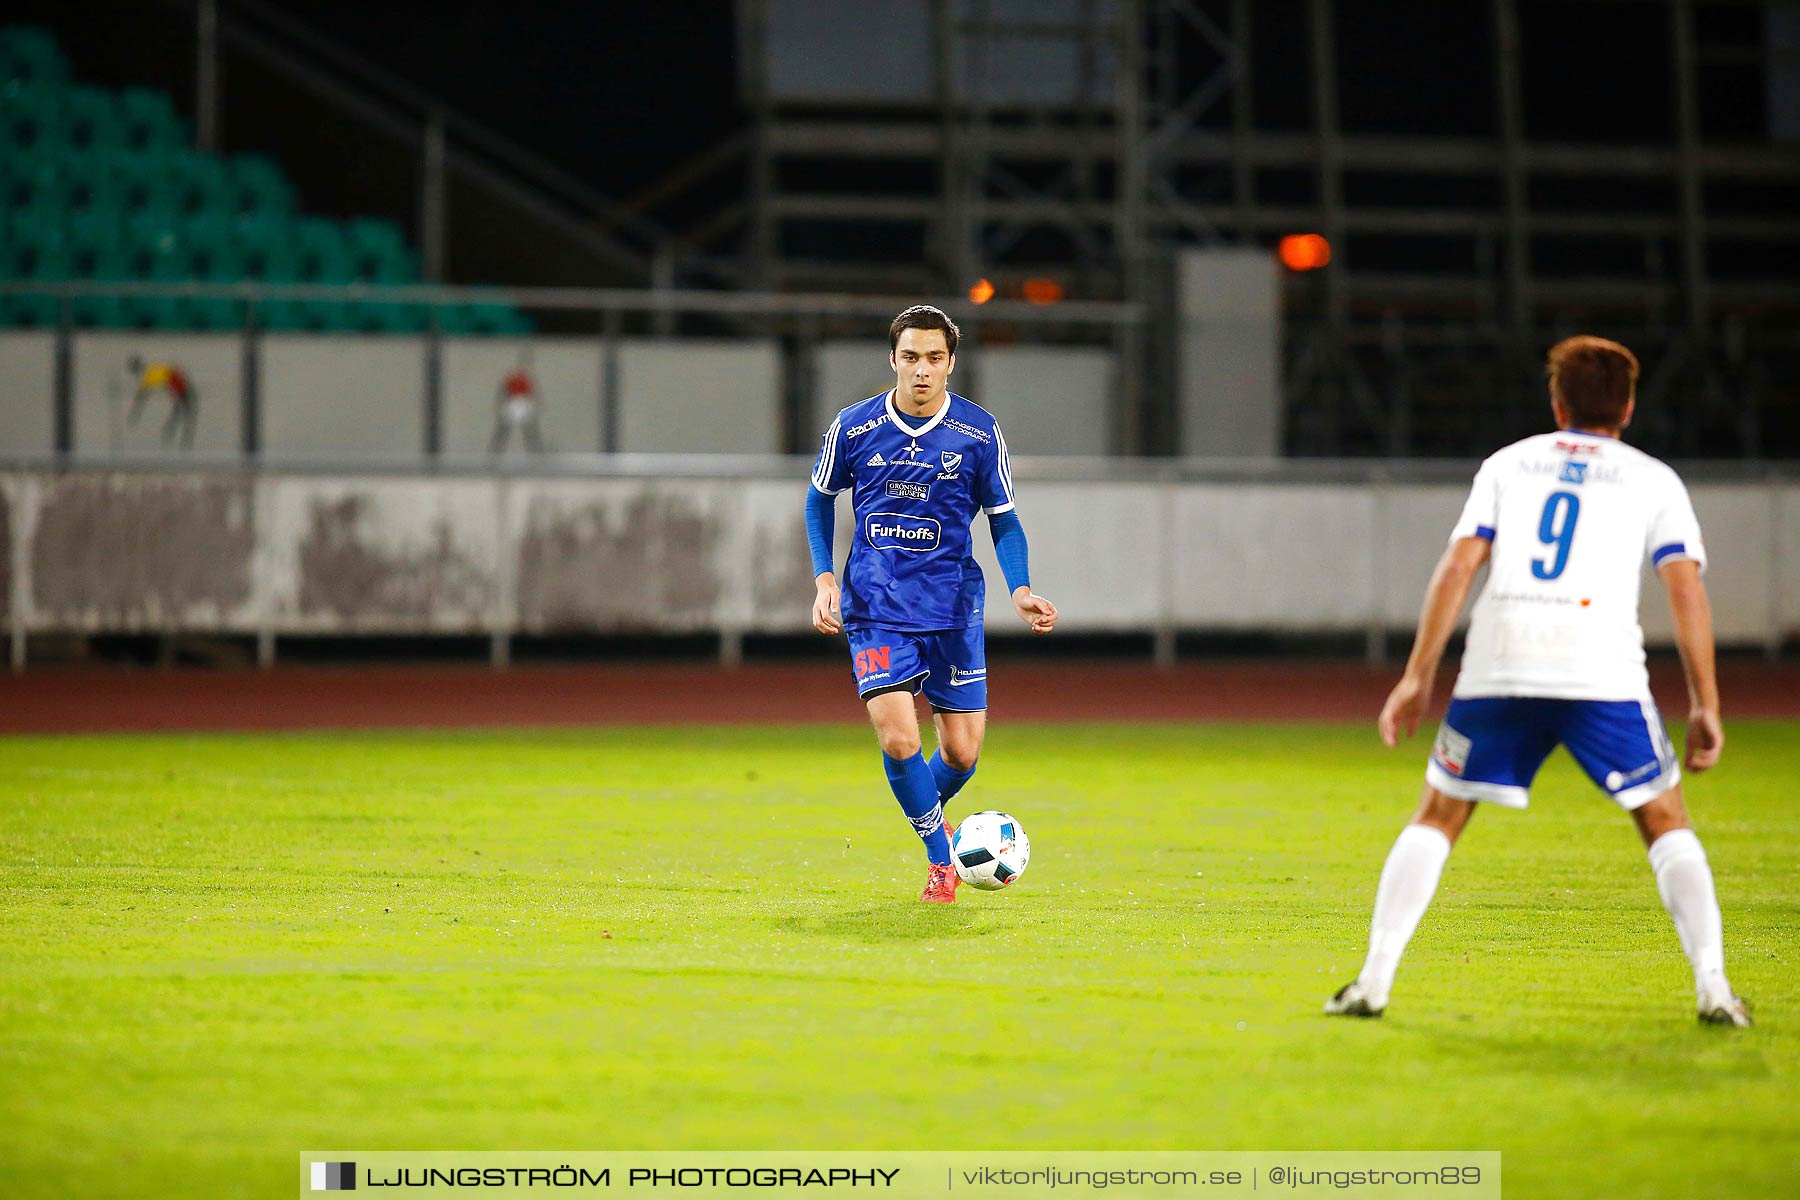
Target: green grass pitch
x: 218, y: 951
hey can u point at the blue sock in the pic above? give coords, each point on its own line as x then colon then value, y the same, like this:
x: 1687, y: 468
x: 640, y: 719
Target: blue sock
x: 949, y: 780
x: 917, y: 792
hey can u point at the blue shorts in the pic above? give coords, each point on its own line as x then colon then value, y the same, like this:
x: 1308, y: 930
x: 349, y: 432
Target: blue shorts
x: 949, y: 665
x: 1489, y: 748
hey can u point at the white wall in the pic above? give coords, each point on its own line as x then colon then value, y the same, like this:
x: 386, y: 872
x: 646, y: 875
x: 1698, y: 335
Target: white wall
x: 342, y: 395
x: 1229, y: 348
x: 845, y: 371
x: 228, y: 550
x: 27, y: 392
x: 104, y: 386
x: 695, y: 397
x: 1049, y: 399
x: 567, y: 372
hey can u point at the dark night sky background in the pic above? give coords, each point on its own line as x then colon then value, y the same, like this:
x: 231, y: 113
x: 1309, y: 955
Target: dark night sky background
x: 623, y: 93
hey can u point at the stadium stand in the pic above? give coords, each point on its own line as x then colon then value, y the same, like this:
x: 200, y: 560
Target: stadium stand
x: 99, y: 184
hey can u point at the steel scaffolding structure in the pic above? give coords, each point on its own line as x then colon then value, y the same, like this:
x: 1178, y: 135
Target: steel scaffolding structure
x: 1159, y: 146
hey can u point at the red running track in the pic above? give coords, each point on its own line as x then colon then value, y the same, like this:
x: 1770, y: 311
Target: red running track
x: 69, y: 700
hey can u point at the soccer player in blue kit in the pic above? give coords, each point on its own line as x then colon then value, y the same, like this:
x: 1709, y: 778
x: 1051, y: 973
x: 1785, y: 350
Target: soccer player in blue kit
x: 919, y: 460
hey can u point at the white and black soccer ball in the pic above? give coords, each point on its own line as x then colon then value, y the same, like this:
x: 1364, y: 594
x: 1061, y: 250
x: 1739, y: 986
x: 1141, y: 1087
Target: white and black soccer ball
x: 990, y: 850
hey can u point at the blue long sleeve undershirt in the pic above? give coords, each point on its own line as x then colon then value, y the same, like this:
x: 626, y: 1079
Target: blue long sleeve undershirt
x: 1010, y: 547
x: 1008, y: 531
x: 821, y: 522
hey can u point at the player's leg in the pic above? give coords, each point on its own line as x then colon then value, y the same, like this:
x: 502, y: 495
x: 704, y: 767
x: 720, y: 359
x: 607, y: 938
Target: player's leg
x: 889, y: 671
x: 1486, y: 750
x: 957, y: 690
x: 952, y: 764
x: 1409, y: 880
x: 1625, y: 750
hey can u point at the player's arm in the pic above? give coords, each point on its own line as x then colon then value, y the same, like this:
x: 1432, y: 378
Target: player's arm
x: 1014, y: 554
x: 1444, y: 598
x: 821, y: 521
x: 1694, y: 639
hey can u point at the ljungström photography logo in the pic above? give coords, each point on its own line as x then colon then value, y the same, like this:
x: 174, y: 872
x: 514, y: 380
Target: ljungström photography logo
x: 334, y: 1177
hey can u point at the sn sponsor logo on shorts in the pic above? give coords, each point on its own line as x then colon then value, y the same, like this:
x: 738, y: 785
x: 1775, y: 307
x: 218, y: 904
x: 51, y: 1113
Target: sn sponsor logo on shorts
x: 902, y: 531
x: 1452, y: 749
x: 875, y: 658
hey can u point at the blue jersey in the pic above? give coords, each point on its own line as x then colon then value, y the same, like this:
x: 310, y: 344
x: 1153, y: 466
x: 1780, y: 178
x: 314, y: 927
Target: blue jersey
x: 915, y: 486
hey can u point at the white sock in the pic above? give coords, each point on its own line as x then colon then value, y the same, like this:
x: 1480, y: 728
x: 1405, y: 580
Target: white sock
x: 1409, y: 879
x: 1684, y: 880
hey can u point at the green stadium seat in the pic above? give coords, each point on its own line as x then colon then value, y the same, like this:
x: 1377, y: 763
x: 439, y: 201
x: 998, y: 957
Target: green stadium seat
x: 90, y: 119
x: 40, y: 225
x: 87, y: 182
x: 201, y: 185
x: 102, y: 312
x: 152, y: 234
x: 94, y: 230
x: 102, y: 185
x: 29, y: 55
x: 32, y: 121
x: 257, y: 186
x: 323, y: 255
x: 31, y: 311
x: 377, y: 317
x: 498, y: 320
x: 30, y: 180
x: 136, y: 178
x: 147, y: 121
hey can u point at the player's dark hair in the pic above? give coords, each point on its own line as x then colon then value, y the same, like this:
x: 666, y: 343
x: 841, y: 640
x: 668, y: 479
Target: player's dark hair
x: 924, y: 316
x: 1593, y: 379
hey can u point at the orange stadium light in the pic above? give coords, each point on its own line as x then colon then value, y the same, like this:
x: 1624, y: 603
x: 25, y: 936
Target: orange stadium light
x: 1039, y: 290
x: 981, y: 291
x: 1304, y: 251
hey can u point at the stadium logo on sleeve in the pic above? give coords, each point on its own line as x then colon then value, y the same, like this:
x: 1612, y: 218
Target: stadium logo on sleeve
x: 334, y: 1177
x: 902, y: 531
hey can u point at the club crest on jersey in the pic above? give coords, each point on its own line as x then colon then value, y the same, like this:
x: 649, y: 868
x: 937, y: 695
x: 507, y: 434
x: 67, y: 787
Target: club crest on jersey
x: 1572, y: 472
x: 876, y: 460
x: 952, y: 463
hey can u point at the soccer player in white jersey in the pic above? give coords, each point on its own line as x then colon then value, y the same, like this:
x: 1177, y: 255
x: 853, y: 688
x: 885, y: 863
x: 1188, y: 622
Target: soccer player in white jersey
x: 919, y: 462
x: 1564, y: 522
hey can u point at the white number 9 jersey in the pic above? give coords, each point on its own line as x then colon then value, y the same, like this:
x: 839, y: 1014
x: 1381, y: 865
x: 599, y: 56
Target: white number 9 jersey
x: 1573, y: 517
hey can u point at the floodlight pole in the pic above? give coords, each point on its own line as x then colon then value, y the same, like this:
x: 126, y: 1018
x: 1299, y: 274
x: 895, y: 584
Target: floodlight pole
x: 206, y: 76
x: 433, y: 199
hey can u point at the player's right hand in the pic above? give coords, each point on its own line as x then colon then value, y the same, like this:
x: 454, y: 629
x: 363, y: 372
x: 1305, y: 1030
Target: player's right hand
x: 826, y: 616
x: 1705, y: 739
x: 1403, y: 710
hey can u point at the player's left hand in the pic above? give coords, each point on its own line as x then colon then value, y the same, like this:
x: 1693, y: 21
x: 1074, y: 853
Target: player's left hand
x: 1705, y: 740
x: 1404, y: 708
x: 1034, y: 610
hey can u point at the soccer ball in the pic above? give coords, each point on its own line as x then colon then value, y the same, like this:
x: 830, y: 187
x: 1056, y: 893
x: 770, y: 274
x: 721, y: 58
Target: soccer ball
x: 990, y: 850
